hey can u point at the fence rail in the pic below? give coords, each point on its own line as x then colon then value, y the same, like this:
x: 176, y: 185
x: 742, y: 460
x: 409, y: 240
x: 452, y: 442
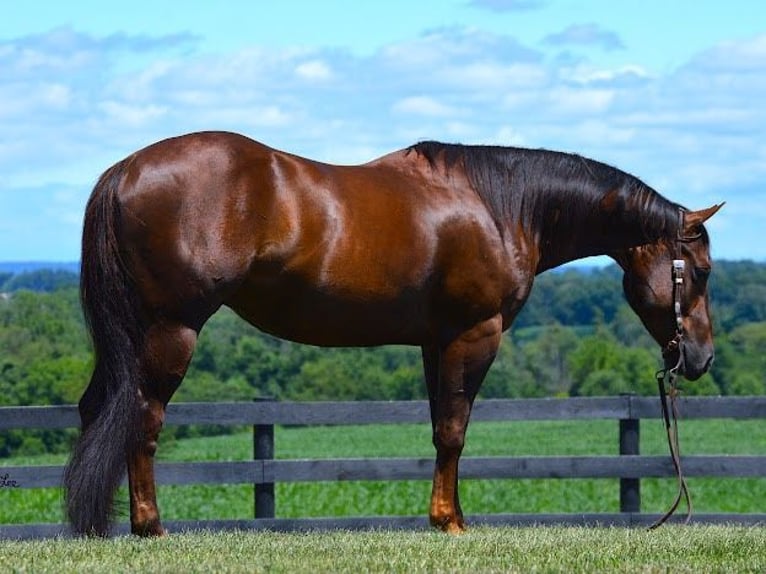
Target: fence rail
x: 264, y: 471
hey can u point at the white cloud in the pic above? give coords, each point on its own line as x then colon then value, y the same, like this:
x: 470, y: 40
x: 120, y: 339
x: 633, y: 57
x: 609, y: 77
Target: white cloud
x: 449, y: 49
x: 734, y: 56
x: 580, y: 102
x: 130, y: 115
x: 56, y: 95
x: 423, y: 106
x: 508, y: 136
x: 599, y: 139
x: 586, y: 34
x: 588, y: 74
x: 315, y: 70
x: 246, y: 116
x: 488, y: 75
x: 695, y: 131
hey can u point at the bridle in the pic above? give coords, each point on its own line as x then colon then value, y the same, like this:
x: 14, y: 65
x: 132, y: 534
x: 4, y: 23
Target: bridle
x: 667, y: 378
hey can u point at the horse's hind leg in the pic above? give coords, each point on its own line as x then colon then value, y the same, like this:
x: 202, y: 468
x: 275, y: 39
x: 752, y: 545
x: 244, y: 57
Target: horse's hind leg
x: 168, y: 350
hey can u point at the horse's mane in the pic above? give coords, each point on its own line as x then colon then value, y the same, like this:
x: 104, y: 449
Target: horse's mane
x: 522, y: 185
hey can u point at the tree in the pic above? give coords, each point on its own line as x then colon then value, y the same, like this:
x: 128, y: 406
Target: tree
x: 603, y: 366
x: 508, y: 376
x: 42, y: 280
x: 740, y: 364
x: 575, y: 336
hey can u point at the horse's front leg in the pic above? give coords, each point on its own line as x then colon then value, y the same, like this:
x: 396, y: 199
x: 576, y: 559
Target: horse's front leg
x: 463, y: 363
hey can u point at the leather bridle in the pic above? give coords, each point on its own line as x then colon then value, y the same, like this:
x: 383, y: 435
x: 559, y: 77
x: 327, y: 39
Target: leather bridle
x: 667, y: 378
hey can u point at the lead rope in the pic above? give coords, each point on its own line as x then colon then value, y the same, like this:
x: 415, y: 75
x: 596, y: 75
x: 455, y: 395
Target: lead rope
x: 667, y: 378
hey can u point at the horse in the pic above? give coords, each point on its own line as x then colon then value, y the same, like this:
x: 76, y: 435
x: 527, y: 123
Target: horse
x: 435, y: 245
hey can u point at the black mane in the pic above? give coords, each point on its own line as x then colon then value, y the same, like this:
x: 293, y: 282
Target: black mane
x: 540, y: 189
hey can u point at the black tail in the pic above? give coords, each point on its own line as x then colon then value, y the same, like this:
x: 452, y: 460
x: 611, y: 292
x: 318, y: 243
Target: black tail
x: 109, y: 407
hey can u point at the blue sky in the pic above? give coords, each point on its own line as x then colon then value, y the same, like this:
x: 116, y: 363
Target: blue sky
x: 672, y: 92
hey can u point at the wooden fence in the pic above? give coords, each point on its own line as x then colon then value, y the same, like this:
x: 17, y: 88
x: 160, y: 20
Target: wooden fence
x: 264, y: 470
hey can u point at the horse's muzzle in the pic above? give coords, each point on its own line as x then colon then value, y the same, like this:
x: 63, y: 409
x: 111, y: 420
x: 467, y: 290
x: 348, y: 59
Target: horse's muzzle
x: 693, y: 364
x: 688, y: 360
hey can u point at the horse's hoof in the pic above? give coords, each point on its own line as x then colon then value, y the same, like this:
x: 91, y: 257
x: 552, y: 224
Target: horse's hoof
x: 450, y: 525
x: 454, y: 528
x: 152, y: 528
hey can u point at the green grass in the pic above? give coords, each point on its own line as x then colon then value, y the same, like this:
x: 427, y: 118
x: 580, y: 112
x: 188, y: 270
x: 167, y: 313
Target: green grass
x: 670, y: 549
x: 411, y: 497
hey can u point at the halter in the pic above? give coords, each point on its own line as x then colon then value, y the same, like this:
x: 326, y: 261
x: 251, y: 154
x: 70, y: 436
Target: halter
x: 667, y: 378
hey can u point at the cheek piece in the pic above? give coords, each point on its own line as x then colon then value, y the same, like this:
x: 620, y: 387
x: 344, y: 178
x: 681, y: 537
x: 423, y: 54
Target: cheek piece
x: 667, y: 379
x: 679, y: 266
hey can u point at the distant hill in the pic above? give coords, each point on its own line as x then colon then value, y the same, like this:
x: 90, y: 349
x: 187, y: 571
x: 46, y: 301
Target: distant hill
x: 16, y: 267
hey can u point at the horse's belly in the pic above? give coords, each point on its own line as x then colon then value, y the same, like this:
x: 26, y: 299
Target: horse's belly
x: 327, y: 318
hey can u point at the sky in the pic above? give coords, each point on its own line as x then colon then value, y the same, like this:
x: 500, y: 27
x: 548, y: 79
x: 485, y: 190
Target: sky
x: 673, y: 92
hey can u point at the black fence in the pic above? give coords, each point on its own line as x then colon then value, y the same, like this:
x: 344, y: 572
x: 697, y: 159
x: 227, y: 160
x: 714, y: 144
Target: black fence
x: 264, y: 471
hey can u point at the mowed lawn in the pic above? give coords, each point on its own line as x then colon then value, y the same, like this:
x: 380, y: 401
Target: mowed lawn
x: 669, y: 549
x: 411, y: 497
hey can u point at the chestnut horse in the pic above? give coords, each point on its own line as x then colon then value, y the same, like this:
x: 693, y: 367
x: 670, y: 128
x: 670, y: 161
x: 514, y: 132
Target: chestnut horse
x: 436, y: 245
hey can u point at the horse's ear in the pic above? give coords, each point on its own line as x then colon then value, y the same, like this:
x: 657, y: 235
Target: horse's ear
x: 693, y: 219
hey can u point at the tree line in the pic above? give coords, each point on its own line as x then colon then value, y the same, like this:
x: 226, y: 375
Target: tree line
x: 576, y: 336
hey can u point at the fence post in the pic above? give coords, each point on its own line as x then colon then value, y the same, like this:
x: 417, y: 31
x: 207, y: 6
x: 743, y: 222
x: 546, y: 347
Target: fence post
x: 263, y: 449
x: 630, y: 434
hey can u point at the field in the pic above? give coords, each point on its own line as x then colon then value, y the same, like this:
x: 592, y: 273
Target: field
x: 482, y: 549
x: 411, y: 497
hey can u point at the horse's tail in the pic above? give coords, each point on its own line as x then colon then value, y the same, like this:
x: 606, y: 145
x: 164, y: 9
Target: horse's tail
x: 109, y: 408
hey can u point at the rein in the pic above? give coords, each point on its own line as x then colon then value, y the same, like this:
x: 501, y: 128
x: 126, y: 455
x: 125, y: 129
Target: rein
x: 667, y: 380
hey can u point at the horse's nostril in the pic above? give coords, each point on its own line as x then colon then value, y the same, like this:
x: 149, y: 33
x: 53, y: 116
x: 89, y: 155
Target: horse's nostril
x: 709, y: 362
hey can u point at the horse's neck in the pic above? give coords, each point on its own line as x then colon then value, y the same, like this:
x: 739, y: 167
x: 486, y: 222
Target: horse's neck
x: 561, y: 239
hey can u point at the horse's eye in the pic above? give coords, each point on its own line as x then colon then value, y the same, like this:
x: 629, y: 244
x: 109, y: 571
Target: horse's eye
x: 701, y: 273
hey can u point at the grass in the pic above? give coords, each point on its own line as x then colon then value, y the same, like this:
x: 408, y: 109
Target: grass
x: 690, y: 549
x: 411, y: 497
